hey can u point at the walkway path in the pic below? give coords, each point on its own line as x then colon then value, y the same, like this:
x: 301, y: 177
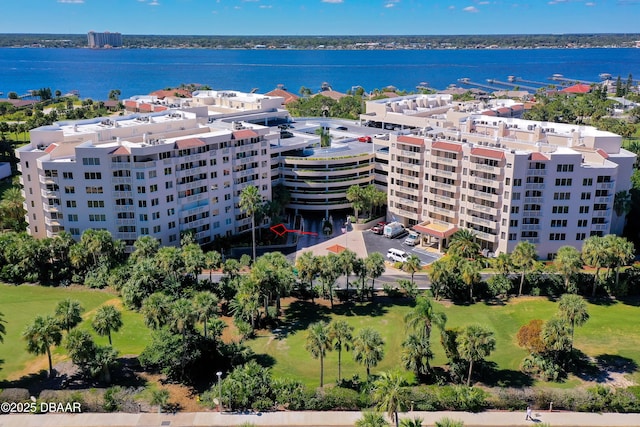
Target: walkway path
x: 316, y: 419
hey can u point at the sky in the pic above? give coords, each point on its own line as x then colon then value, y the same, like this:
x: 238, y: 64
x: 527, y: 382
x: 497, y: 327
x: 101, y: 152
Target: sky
x: 320, y: 17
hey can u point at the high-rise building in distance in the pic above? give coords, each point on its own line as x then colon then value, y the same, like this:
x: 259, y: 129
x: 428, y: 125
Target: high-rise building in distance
x: 106, y: 39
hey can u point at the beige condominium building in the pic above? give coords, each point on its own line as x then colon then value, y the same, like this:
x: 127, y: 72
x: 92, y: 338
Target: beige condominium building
x: 158, y: 174
x: 507, y: 179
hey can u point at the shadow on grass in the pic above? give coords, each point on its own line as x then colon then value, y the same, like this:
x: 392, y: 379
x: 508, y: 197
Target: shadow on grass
x: 600, y: 368
x: 632, y: 301
x: 264, y: 360
x: 300, y: 314
x: 494, y: 377
x: 604, y: 301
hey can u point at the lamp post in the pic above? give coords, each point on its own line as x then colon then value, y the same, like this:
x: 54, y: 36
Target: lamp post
x: 219, y: 374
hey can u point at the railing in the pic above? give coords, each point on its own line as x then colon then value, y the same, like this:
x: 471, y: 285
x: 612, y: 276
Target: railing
x: 46, y: 179
x: 483, y: 208
x: 536, y: 172
x: 121, y: 180
x: 485, y: 236
x: 144, y: 165
x: 605, y: 185
x: 438, y: 159
x: 600, y: 227
x: 482, y: 221
x: 532, y: 214
x: 125, y: 222
x: 530, y: 227
x: 50, y: 193
x: 51, y: 208
x: 124, y: 208
x: 534, y: 186
x: 122, y: 194
x: 487, y: 196
x: 533, y: 200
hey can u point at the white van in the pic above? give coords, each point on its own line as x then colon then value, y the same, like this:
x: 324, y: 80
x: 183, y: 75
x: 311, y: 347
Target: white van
x: 397, y: 255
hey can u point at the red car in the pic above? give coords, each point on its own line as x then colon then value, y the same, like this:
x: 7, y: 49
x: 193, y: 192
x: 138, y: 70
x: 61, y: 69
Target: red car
x: 364, y: 139
x: 378, y: 228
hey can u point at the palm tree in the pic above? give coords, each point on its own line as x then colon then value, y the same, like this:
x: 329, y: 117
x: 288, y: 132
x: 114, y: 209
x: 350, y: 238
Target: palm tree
x: 156, y: 309
x: 411, y: 265
x: 307, y: 266
x: 206, y: 306
x: 183, y: 318
x: 250, y: 202
x: 422, y: 317
x: 3, y: 329
x: 371, y: 419
x: 464, y: 244
x: 318, y: 343
x: 475, y: 342
x: 470, y: 274
x: 212, y: 260
x: 160, y: 398
x: 69, y: 313
x: 523, y: 257
x: 170, y: 262
x: 13, y: 205
x: 411, y: 422
x: 416, y: 354
x: 329, y: 273
x: 107, y: 319
x: 194, y: 259
x: 376, y: 267
x: 40, y: 335
x: 368, y: 348
x: 448, y: 422
x: 390, y: 394
x: 145, y: 247
x: 573, y: 309
x: 622, y: 202
x: 594, y: 254
x: 502, y: 263
x: 356, y: 195
x: 621, y: 252
x: 341, y: 335
x: 347, y: 259
x: 568, y: 262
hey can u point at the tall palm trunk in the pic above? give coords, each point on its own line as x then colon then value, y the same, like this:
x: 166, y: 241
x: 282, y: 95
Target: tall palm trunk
x: 321, y: 371
x: 339, y: 364
x: 253, y: 236
x: 521, y: 283
x: 50, y: 363
x: 596, y: 279
x: 470, y: 371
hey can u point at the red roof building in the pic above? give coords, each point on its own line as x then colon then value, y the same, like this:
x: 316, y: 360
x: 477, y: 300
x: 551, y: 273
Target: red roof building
x: 580, y: 88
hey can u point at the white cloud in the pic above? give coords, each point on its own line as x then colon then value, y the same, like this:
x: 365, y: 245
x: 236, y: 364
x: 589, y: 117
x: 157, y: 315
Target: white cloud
x: 452, y: 7
x: 590, y: 3
x: 391, y: 3
x: 333, y: 1
x: 471, y: 9
x: 71, y: 1
x: 154, y: 3
x: 265, y: 6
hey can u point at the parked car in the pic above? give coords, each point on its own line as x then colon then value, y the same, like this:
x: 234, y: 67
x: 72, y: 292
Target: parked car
x: 341, y: 128
x: 286, y: 134
x: 381, y: 136
x: 364, y: 139
x: 412, y: 239
x: 397, y: 255
x: 379, y: 227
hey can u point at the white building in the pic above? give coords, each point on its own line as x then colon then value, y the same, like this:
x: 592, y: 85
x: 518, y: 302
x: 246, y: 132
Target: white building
x: 158, y: 174
x: 508, y: 180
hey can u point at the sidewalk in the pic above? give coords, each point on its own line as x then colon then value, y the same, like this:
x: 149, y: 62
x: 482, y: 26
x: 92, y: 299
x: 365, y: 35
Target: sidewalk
x: 352, y: 240
x: 316, y: 419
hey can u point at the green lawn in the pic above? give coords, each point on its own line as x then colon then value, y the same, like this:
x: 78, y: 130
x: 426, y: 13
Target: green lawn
x: 20, y: 304
x: 611, y: 330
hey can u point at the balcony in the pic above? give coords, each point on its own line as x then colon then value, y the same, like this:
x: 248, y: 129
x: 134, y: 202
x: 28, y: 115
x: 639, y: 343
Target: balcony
x: 605, y: 185
x: 126, y: 236
x: 46, y: 179
x: 483, y: 208
x: 443, y: 186
x: 445, y: 199
x: 604, y: 200
x: 121, y: 180
x: 124, y: 208
x: 536, y: 172
x: 530, y: 227
x: 532, y: 214
x: 122, y: 194
x: 534, y: 200
x: 438, y: 159
x: 534, y: 186
x: 405, y: 213
x: 443, y: 211
x: 602, y: 214
x: 51, y: 208
x: 120, y: 165
x: 484, y: 181
x: 51, y: 222
x: 486, y: 196
x: 485, y: 168
x: 144, y: 165
x: 485, y: 236
x: 50, y: 194
x: 445, y: 174
x: 482, y: 221
x: 600, y: 227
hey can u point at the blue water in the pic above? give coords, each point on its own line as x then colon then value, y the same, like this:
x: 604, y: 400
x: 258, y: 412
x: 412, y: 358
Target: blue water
x: 95, y: 72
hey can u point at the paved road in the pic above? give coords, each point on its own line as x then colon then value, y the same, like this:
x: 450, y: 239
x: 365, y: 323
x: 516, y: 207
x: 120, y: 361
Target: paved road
x: 316, y: 419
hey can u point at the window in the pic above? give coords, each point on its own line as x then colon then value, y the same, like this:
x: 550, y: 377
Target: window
x: 69, y: 190
x: 170, y: 198
x: 172, y: 224
x: 92, y: 175
x: 557, y: 236
x: 142, y: 203
x: 72, y: 217
x: 171, y: 211
x: 513, y: 236
x: 152, y: 174
x: 558, y: 223
x: 604, y: 178
x: 90, y: 161
x: 565, y: 168
x: 563, y: 182
x: 585, y: 196
x: 153, y: 188
x: 74, y: 231
x: 517, y: 182
x: 582, y: 223
x: 587, y: 182
x: 560, y: 209
x: 94, y: 190
x: 173, y: 237
x: 581, y: 236
x: 515, y: 209
x: 71, y: 203
x: 513, y: 223
x: 167, y: 171
x: 143, y: 217
x: 97, y: 217
x: 602, y: 193
x: 95, y: 203
x: 516, y: 196
x: 561, y: 196
x: 156, y: 229
x: 227, y: 196
x: 139, y: 175
x: 168, y: 185
x: 155, y: 215
x: 144, y: 230
x: 67, y: 175
x: 600, y: 207
x: 154, y: 202
x: 584, y: 209
x: 142, y: 189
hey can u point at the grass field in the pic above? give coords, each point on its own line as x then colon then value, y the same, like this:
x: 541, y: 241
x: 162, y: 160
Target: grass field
x: 612, y: 330
x: 21, y: 304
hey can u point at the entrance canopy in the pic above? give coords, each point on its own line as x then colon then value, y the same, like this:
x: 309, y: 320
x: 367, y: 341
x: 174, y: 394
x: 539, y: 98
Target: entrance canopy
x: 440, y: 230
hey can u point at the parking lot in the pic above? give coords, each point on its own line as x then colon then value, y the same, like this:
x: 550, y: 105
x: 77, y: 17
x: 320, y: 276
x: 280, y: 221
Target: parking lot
x: 379, y: 243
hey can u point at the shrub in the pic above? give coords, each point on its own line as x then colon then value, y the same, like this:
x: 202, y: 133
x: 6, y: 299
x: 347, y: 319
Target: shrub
x: 448, y: 422
x: 14, y: 395
x: 461, y: 398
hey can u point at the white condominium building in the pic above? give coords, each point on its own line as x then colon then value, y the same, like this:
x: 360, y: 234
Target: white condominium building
x: 507, y: 179
x: 158, y: 174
